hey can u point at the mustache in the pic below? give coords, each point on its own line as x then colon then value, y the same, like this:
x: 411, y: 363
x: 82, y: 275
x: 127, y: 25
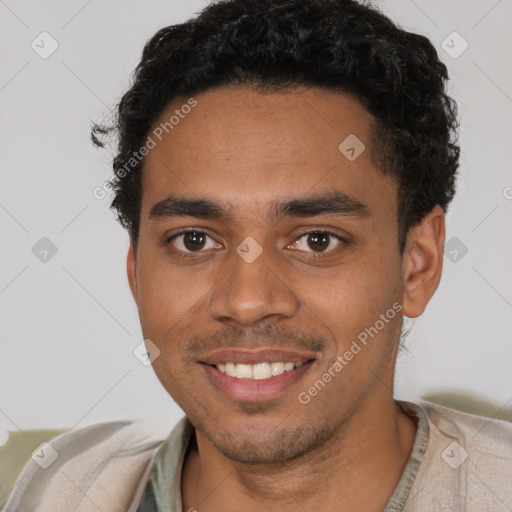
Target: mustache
x: 259, y: 337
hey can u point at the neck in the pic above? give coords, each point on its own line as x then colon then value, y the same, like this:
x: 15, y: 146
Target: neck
x: 358, y: 468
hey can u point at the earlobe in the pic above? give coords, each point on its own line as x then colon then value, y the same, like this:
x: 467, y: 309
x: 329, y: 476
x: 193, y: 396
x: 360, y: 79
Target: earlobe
x: 423, y: 262
x: 131, y: 269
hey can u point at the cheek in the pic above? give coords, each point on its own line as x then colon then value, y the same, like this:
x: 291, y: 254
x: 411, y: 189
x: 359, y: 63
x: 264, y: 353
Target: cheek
x: 166, y: 295
x: 352, y: 299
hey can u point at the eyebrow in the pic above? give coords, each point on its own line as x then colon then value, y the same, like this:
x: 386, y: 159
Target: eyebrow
x: 332, y: 202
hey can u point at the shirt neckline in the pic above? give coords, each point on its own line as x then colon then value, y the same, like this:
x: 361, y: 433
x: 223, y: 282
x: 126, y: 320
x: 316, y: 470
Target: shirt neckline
x: 170, y: 458
x: 403, y: 489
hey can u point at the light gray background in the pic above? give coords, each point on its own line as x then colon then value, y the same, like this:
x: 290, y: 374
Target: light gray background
x: 69, y: 326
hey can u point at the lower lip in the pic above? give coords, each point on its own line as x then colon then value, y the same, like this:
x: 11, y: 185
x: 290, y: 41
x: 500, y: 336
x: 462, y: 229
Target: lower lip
x: 255, y: 390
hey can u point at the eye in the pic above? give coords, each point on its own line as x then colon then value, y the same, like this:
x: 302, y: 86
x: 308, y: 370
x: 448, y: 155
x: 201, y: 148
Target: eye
x: 194, y: 241
x: 191, y: 241
x: 319, y: 240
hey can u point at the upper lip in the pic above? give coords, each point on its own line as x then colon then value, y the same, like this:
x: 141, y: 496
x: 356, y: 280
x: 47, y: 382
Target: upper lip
x: 243, y: 356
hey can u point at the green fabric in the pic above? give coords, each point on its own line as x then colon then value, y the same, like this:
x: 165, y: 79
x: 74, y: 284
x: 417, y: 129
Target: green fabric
x: 166, y: 472
x: 16, y: 452
x: 165, y: 476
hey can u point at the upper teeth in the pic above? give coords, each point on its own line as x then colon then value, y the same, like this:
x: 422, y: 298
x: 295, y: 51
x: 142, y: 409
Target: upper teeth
x: 256, y: 371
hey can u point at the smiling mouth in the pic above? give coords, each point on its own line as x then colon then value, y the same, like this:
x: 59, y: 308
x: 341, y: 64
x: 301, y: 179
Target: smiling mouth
x: 258, y: 382
x: 258, y: 371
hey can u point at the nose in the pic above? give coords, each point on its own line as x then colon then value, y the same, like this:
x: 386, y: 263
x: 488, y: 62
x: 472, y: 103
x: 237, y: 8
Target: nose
x: 251, y: 291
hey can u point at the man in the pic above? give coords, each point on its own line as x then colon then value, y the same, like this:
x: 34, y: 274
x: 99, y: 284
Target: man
x: 283, y: 170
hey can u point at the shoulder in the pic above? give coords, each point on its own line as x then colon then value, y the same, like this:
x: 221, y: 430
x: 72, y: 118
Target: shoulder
x: 486, y: 436
x: 467, y: 464
x: 83, y: 460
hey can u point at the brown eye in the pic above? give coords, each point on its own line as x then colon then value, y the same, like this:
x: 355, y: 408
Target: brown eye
x: 190, y: 241
x: 194, y: 240
x: 319, y: 241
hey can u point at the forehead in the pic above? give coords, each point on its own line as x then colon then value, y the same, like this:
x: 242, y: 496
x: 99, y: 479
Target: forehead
x: 248, y: 148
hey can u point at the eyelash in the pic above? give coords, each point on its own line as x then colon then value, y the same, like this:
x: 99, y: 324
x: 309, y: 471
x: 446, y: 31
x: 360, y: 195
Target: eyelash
x: 192, y: 254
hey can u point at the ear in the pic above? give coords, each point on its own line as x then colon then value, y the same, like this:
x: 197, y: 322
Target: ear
x: 131, y: 268
x: 422, y: 263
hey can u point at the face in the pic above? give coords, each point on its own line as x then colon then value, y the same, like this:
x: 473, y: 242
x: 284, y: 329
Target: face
x: 293, y: 259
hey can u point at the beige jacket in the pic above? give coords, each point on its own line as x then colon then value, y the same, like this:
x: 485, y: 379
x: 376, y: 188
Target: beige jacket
x: 459, y: 462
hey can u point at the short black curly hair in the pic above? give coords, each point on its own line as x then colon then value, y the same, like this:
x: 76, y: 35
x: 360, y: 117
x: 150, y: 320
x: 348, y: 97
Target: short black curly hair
x: 275, y: 45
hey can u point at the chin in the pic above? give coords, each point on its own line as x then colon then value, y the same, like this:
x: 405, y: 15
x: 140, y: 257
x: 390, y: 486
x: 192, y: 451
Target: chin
x: 267, y: 446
